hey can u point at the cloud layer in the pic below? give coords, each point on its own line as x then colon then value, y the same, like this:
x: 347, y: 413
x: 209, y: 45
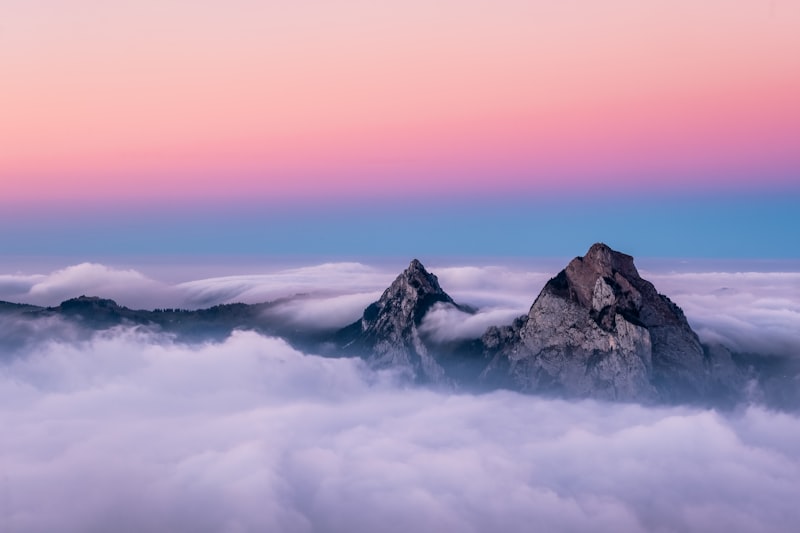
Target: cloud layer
x: 746, y: 311
x: 322, y: 296
x: 128, y: 286
x: 128, y: 431
x: 445, y: 323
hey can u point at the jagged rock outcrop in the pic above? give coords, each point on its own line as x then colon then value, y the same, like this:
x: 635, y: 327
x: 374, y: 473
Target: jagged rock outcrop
x: 599, y: 330
x: 388, y: 335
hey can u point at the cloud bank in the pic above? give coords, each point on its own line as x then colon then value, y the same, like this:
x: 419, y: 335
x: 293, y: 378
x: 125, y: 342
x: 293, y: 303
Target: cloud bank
x: 129, y: 431
x: 127, y: 286
x: 325, y: 296
x: 445, y: 323
x: 326, y: 278
x: 747, y: 311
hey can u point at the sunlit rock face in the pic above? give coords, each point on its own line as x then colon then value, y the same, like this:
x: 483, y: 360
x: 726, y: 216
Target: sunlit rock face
x: 599, y: 330
x: 388, y: 332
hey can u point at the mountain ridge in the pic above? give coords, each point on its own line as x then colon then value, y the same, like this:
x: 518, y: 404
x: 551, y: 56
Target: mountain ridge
x: 595, y: 330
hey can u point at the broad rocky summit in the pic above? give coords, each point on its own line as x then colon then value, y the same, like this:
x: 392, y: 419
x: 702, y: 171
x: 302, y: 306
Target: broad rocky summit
x: 599, y: 330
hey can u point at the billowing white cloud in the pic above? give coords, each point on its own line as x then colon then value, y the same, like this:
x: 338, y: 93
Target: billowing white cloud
x: 747, y: 311
x: 129, y: 431
x: 323, y: 312
x: 133, y: 289
x: 444, y: 322
x: 15, y: 285
x: 129, y: 287
x: 493, y: 286
x: 337, y: 278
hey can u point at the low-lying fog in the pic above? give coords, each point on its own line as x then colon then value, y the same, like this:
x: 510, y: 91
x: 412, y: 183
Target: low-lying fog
x: 130, y: 431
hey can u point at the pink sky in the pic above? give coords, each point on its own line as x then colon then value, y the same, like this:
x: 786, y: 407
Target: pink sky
x: 248, y: 98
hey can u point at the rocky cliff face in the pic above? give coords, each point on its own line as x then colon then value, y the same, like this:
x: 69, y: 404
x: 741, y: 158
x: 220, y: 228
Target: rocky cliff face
x: 596, y: 330
x: 387, y: 335
x: 599, y: 330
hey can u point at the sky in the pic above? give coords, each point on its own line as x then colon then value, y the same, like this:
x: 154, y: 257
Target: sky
x: 186, y: 153
x: 354, y: 128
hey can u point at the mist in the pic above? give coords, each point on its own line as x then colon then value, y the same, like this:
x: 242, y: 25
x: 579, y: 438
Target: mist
x: 129, y: 430
x: 748, y: 311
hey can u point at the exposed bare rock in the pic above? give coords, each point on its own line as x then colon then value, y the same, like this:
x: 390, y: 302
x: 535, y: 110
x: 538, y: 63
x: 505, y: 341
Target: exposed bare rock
x: 387, y: 335
x: 599, y: 330
x: 596, y: 330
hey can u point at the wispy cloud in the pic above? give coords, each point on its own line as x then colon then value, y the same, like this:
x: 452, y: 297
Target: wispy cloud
x: 750, y: 311
x: 328, y: 278
x: 444, y: 322
x: 322, y: 312
x: 128, y: 286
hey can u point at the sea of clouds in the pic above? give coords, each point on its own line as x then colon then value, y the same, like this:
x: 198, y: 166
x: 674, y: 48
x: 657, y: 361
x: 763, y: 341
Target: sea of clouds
x: 129, y: 430
x: 746, y: 311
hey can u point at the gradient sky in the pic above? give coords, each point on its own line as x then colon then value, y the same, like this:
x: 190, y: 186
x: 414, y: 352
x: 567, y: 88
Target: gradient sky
x: 354, y: 127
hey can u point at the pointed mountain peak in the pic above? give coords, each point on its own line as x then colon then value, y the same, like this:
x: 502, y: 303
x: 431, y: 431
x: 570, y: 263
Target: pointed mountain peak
x: 416, y: 269
x: 415, y: 264
x: 414, y: 283
x: 387, y: 333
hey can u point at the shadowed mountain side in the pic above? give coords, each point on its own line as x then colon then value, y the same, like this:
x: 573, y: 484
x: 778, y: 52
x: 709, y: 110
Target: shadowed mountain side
x: 78, y: 318
x: 388, y: 334
x: 599, y: 330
